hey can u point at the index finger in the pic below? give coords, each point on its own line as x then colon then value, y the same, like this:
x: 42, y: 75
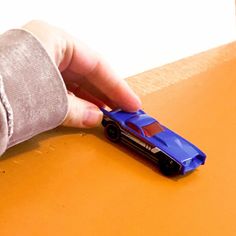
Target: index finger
x: 86, y: 63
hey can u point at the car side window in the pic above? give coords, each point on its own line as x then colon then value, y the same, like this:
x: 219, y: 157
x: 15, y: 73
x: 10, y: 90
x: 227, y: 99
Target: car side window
x: 134, y: 127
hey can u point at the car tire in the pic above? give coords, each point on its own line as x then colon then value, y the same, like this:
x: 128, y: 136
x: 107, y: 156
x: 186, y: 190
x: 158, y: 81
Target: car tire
x: 112, y: 132
x: 168, y: 167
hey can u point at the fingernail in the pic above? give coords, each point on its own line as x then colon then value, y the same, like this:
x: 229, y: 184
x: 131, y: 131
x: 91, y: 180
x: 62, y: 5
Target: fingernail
x: 92, y: 117
x: 135, y: 105
x: 139, y: 102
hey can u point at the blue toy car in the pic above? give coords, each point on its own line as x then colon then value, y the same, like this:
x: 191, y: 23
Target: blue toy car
x: 173, y: 154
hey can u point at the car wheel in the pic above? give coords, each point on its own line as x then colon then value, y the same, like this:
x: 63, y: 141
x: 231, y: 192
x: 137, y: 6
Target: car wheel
x: 112, y: 132
x: 168, y: 167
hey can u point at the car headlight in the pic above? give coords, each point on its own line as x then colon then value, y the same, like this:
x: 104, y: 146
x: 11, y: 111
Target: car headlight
x: 187, y: 162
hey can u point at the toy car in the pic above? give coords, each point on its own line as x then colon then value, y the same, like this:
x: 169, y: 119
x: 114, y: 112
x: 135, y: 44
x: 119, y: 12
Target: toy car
x: 173, y: 154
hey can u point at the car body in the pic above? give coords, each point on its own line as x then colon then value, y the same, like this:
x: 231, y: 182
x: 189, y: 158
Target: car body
x: 172, y: 153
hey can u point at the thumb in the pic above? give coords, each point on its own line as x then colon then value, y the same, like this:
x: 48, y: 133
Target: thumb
x: 82, y: 114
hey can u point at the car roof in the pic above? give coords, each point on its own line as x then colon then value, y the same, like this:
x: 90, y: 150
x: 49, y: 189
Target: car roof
x: 141, y: 120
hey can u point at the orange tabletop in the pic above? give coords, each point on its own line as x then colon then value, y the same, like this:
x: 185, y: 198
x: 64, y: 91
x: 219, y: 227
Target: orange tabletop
x: 75, y: 182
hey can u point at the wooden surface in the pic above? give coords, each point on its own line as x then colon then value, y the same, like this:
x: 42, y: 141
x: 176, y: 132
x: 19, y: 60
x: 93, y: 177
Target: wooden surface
x: 74, y: 182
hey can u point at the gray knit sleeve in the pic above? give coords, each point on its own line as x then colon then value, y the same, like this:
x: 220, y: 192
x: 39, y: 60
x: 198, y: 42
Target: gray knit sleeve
x: 33, y: 97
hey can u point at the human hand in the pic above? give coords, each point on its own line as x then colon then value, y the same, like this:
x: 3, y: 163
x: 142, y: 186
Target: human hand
x: 90, y: 81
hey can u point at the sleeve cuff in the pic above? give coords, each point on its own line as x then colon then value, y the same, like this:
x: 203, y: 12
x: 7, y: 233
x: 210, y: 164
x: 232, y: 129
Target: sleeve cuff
x: 33, y: 86
x: 3, y: 129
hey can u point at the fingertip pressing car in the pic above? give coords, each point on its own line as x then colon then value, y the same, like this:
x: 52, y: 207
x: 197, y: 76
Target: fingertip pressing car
x: 173, y: 154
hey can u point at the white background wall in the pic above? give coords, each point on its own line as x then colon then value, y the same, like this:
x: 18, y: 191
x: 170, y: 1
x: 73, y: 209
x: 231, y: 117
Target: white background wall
x: 132, y: 35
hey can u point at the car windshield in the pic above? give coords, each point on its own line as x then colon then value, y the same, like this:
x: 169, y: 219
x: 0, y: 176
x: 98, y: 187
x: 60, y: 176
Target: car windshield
x: 152, y: 129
